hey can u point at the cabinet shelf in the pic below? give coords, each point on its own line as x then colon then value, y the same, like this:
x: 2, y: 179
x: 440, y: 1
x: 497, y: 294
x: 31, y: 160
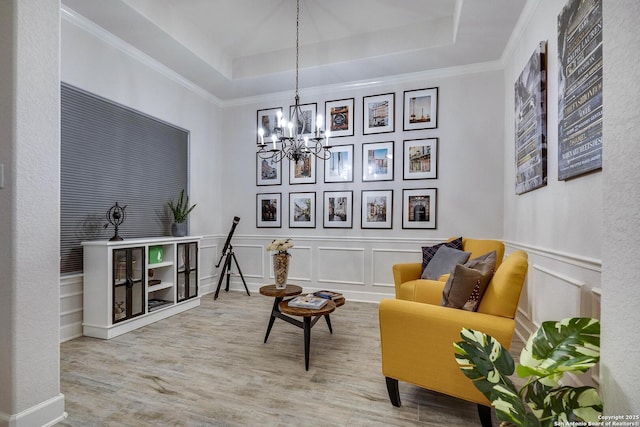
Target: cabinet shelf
x: 160, y: 264
x: 159, y: 287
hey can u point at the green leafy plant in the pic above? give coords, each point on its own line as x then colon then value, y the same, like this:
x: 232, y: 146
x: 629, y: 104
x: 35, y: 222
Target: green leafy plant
x: 181, y: 208
x: 569, y: 345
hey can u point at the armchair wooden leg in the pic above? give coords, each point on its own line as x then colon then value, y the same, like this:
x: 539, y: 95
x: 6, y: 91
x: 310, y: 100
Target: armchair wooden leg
x: 484, y: 412
x: 392, y: 389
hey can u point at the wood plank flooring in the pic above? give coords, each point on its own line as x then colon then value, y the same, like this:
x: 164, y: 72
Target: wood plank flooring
x: 209, y: 367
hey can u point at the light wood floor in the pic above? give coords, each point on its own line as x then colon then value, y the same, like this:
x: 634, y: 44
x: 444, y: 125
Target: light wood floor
x: 209, y: 367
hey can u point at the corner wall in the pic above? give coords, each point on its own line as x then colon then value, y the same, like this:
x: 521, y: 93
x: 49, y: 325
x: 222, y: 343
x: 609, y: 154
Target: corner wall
x: 620, y: 363
x: 559, y: 225
x: 29, y: 208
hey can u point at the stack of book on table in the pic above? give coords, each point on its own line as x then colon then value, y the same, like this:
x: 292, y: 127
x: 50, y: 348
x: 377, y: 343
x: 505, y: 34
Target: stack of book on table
x: 328, y: 295
x: 308, y: 301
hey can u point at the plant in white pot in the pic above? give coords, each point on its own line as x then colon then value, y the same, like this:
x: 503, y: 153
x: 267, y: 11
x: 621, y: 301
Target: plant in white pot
x: 569, y: 345
x: 180, y: 211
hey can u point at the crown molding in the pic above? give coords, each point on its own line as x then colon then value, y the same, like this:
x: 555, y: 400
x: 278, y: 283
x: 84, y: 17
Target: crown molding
x: 74, y: 18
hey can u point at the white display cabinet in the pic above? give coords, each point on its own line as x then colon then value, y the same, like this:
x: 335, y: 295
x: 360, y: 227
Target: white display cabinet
x: 132, y: 283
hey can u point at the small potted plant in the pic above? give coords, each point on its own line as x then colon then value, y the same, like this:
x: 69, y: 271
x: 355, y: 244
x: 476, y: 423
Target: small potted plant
x: 180, y: 211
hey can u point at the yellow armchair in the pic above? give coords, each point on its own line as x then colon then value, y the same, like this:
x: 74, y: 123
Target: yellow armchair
x: 417, y: 334
x: 407, y: 276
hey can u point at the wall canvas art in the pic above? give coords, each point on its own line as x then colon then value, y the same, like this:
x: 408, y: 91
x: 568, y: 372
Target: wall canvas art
x: 531, y: 123
x: 377, y: 209
x: 419, y: 208
x: 579, y: 88
x: 269, y: 210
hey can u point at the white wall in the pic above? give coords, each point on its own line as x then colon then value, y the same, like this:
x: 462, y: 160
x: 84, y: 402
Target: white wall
x: 358, y: 261
x: 29, y: 208
x: 559, y: 225
x: 97, y: 62
x: 620, y: 364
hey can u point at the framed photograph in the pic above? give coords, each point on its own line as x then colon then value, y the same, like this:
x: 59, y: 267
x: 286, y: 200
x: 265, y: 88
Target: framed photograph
x: 269, y: 210
x: 339, y: 167
x: 338, y: 209
x: 306, y: 120
x: 377, y: 209
x: 339, y: 117
x: 303, y: 171
x: 419, y: 208
x: 268, y: 121
x: 268, y: 171
x: 378, y: 113
x: 420, y: 109
x: 302, y: 210
x: 377, y: 161
x: 420, y: 158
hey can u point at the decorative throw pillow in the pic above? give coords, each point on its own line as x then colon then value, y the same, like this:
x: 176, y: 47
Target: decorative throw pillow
x: 467, y: 283
x: 429, y: 251
x: 443, y: 262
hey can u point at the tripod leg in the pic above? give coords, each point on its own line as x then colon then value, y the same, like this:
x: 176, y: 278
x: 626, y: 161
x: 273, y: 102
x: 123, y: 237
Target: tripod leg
x: 224, y: 269
x: 240, y: 272
x: 229, y: 256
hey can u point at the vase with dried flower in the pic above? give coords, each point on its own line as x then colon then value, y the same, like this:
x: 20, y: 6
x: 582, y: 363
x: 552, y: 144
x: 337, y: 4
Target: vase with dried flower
x: 280, y: 260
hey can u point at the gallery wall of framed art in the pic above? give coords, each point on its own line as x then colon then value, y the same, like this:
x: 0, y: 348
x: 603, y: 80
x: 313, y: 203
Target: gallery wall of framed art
x: 355, y: 184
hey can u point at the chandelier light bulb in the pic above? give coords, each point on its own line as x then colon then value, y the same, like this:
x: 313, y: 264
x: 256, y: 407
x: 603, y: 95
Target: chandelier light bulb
x: 261, y: 133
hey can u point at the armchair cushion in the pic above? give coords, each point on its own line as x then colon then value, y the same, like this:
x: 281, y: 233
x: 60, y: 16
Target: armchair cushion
x: 443, y: 262
x: 467, y: 282
x: 429, y: 251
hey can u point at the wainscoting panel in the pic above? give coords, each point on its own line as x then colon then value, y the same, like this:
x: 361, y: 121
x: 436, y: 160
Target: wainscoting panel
x: 250, y: 258
x: 299, y: 265
x: 557, y: 295
x: 350, y: 260
x: 71, y: 306
x: 383, y: 261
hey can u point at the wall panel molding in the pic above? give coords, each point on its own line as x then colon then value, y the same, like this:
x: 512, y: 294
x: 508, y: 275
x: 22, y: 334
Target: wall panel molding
x: 353, y: 274
x: 592, y: 264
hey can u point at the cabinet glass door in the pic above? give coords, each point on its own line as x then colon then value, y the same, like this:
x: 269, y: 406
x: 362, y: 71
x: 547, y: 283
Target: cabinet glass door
x: 128, y: 283
x: 187, y: 270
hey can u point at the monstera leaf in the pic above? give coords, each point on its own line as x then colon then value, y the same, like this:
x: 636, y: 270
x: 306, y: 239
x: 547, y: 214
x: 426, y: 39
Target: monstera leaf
x: 570, y: 345
x: 484, y: 361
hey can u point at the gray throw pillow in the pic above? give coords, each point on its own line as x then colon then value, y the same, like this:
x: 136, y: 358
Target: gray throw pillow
x: 443, y: 262
x: 467, y: 282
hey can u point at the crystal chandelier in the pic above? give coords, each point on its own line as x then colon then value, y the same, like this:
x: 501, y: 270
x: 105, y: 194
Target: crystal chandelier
x: 294, y: 139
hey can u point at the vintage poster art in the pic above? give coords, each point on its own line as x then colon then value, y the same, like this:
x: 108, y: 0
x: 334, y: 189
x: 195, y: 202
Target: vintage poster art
x: 269, y: 210
x: 339, y: 117
x: 377, y: 209
x: 531, y: 123
x: 579, y: 88
x: 302, y: 210
x: 419, y: 208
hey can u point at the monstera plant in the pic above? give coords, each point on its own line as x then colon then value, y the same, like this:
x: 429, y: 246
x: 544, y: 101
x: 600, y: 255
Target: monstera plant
x: 569, y: 345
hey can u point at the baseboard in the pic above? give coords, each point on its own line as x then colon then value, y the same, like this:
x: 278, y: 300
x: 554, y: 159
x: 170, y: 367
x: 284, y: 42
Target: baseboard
x: 47, y: 413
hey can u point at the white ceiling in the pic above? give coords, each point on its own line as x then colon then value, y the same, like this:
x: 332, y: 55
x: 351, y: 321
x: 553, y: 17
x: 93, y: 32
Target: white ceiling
x: 240, y: 48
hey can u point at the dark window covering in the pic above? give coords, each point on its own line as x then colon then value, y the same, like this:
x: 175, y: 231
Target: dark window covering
x: 111, y: 153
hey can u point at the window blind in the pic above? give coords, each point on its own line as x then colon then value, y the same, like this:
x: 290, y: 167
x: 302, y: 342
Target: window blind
x: 111, y: 153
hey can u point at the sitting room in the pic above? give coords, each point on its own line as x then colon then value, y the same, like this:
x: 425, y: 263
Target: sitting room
x: 285, y: 212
